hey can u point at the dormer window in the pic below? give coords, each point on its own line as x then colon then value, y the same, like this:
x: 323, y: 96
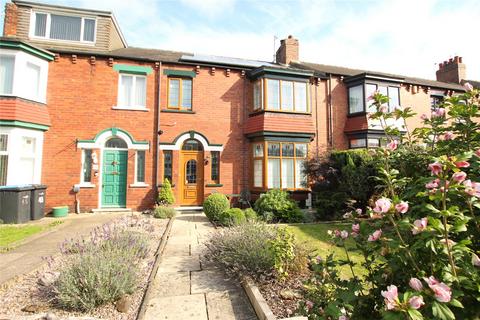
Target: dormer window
x: 63, y: 27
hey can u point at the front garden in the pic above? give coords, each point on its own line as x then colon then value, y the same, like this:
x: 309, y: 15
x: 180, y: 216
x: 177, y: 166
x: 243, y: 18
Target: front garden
x: 408, y: 245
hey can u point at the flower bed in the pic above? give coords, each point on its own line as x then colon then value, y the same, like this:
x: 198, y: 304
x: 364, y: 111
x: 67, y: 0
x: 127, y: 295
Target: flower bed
x: 50, y: 288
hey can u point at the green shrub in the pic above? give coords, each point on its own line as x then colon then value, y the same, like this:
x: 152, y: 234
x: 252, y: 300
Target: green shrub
x: 215, y: 205
x: 99, y: 273
x: 232, y: 217
x: 250, y: 215
x: 276, y: 205
x: 330, y: 205
x: 165, y: 196
x: 255, y: 249
x: 164, y: 212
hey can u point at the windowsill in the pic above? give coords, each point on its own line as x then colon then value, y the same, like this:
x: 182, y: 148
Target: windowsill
x: 130, y: 108
x: 138, y: 185
x: 177, y: 111
x: 86, y: 185
x: 80, y: 42
x: 209, y: 185
x: 171, y: 185
x: 256, y: 112
x: 356, y: 114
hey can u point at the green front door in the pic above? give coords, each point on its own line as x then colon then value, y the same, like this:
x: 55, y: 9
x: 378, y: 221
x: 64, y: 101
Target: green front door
x: 114, y: 182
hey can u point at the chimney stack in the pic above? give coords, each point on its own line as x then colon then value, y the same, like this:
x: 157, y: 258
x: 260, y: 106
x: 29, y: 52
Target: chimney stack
x: 453, y: 70
x: 288, y: 50
x: 10, y: 21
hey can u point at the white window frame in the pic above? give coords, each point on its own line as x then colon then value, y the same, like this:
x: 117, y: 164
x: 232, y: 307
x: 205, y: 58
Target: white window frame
x: 83, y: 183
x: 33, y: 18
x: 136, y: 183
x: 134, y: 87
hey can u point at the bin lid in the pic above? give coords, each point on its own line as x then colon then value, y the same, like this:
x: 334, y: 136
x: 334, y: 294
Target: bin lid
x: 17, y: 187
x: 39, y: 186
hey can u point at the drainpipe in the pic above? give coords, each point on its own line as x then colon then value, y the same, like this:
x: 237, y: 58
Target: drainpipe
x: 316, y: 119
x: 246, y: 178
x: 330, y: 111
x: 157, y: 128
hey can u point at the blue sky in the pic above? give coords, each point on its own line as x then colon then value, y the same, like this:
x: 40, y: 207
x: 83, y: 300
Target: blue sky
x: 406, y: 37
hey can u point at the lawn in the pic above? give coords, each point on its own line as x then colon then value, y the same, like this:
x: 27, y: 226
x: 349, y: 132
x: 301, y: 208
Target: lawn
x: 316, y: 238
x: 12, y: 234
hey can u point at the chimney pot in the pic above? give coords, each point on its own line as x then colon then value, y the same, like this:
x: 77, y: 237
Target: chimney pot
x: 450, y: 60
x: 460, y: 59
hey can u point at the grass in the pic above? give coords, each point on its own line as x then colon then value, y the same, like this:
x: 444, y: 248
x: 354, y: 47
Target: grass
x: 13, y: 234
x: 316, y: 238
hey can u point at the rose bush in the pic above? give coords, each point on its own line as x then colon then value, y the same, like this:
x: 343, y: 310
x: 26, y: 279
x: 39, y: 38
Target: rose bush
x: 422, y: 240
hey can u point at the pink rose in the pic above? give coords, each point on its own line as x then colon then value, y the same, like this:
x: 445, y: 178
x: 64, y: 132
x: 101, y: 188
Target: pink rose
x: 441, y: 291
x: 424, y: 117
x: 401, y: 207
x: 383, y: 108
x: 356, y: 227
x: 435, y: 168
x: 462, y: 164
x: 359, y: 211
x: 419, y: 225
x: 416, y: 302
x: 309, y: 304
x: 375, y: 236
x: 448, y: 135
x: 415, y: 284
x: 344, y: 234
x: 382, y: 205
x: 392, y: 145
x: 475, y: 260
x: 459, y: 176
x: 472, y: 188
x: 438, y: 113
x: 477, y: 153
x: 336, y: 233
x: 468, y: 86
x: 391, y: 297
x: 432, y: 184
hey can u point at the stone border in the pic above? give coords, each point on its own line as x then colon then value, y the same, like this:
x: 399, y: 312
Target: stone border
x: 158, y: 259
x: 259, y: 304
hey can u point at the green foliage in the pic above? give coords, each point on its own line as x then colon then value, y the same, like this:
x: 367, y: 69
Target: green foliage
x: 232, y: 217
x: 161, y: 212
x: 98, y: 274
x: 256, y: 249
x: 250, y: 215
x: 165, y: 196
x: 330, y: 205
x: 276, y: 205
x: 424, y: 225
x: 215, y: 205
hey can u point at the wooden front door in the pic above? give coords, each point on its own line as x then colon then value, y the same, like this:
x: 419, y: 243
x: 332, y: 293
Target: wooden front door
x: 191, y: 177
x: 114, y: 182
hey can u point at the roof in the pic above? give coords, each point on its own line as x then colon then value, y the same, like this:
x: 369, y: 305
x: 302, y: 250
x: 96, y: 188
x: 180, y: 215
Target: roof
x: 75, y: 10
x: 474, y: 83
x: 17, y: 43
x: 342, y: 71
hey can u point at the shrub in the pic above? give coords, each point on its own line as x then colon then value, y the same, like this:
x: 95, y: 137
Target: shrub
x: 277, y: 204
x: 254, y: 249
x: 330, y: 205
x: 165, y: 196
x: 232, y: 217
x: 250, y: 215
x: 164, y: 212
x: 215, y: 205
x: 99, y: 274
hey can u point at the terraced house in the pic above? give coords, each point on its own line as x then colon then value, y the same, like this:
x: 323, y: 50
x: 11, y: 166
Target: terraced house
x: 80, y: 110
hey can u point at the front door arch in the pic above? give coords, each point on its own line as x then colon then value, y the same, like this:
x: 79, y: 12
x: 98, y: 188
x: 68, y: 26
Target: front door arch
x: 191, y: 173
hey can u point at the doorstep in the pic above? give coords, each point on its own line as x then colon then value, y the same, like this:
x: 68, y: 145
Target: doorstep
x: 116, y: 210
x: 191, y: 208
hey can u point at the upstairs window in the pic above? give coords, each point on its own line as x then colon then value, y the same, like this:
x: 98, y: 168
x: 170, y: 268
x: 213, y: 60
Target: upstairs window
x: 7, y: 64
x: 180, y: 93
x: 132, y: 91
x: 280, y: 95
x: 355, y: 99
x: 358, y: 102
x: 63, y: 27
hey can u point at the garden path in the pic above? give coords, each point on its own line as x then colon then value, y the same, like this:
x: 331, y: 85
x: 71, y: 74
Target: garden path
x: 187, y: 288
x: 28, y: 256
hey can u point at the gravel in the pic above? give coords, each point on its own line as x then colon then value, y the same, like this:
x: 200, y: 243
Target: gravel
x: 24, y: 291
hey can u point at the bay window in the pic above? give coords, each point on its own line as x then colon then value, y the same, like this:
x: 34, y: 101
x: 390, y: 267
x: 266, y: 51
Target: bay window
x: 63, y: 27
x: 358, y: 102
x: 283, y: 162
x: 355, y: 99
x: 280, y: 95
x: 7, y: 64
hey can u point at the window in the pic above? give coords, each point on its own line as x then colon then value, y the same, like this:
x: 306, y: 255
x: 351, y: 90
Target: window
x: 358, y: 143
x: 32, y: 81
x: 63, y: 27
x: 27, y: 160
x: 355, y: 99
x: 180, y: 93
x: 215, y: 166
x: 140, y: 164
x: 280, y: 95
x: 435, y: 102
x: 116, y: 143
x: 3, y: 159
x: 191, y: 172
x: 132, y: 91
x: 192, y: 145
x: 7, y: 64
x: 285, y: 163
x: 167, y: 165
x: 86, y: 166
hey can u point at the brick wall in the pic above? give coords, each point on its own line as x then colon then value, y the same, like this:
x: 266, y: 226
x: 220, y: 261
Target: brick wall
x: 10, y: 21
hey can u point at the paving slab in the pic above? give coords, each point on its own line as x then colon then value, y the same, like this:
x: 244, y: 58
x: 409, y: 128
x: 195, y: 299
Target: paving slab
x: 229, y: 305
x: 171, y: 284
x: 179, y: 263
x: 177, y: 250
x: 212, y: 280
x: 187, y: 307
